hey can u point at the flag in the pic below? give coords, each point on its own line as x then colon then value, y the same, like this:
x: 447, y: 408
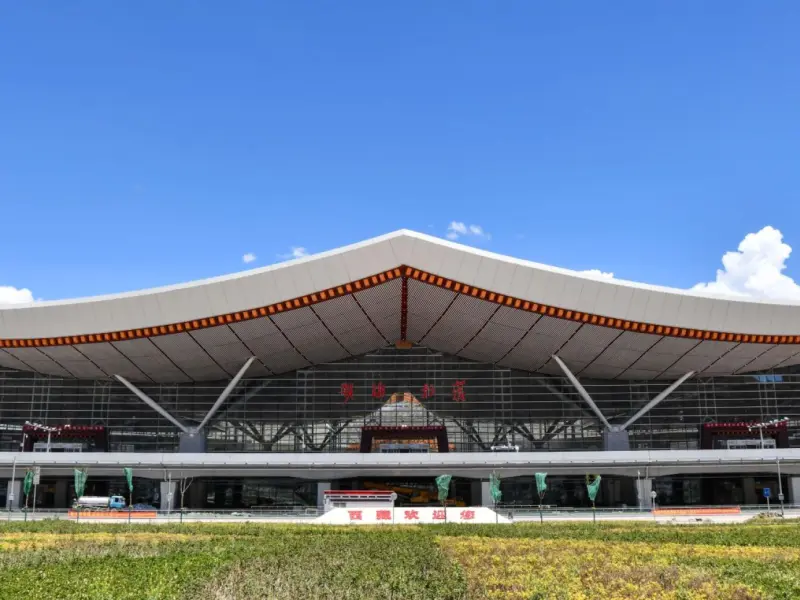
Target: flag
x: 129, y: 477
x: 27, y: 482
x: 593, y: 487
x: 494, y: 488
x: 443, y: 483
x: 541, y: 483
x: 80, y: 482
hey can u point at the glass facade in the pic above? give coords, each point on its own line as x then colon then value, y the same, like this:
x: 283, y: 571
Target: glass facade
x: 326, y: 408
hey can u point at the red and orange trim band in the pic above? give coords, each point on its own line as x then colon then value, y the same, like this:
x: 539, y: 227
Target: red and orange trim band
x: 384, y: 277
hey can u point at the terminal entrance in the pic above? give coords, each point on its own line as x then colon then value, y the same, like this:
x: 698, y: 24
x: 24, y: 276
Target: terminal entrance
x: 416, y: 491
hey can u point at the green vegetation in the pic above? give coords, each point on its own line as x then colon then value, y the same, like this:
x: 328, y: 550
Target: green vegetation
x: 58, y: 560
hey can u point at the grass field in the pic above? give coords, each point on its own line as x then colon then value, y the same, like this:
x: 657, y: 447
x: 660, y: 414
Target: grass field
x: 609, y: 561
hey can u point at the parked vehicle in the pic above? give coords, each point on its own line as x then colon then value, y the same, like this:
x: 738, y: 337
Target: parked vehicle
x: 101, y: 502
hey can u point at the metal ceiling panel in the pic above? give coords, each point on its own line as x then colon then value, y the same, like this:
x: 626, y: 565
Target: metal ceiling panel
x: 11, y: 362
x: 484, y: 350
x: 551, y: 367
x: 632, y: 340
x: 737, y: 358
x: 617, y: 359
x: 515, y: 318
x: 382, y: 305
x: 74, y: 362
x: 112, y: 361
x: 308, y: 334
x: 257, y: 328
x: 462, y: 321
x: 501, y: 334
x: 39, y: 362
x: 588, y: 343
x: 639, y: 374
x: 701, y: 357
x: 711, y: 349
x: 150, y: 360
x: 546, y: 337
x: 275, y: 351
x: 655, y: 361
x: 266, y: 342
x: 284, y: 361
x: 350, y: 325
x: 775, y: 356
x: 602, y: 371
x: 668, y: 345
x: 159, y: 368
x: 190, y: 357
x: 230, y: 353
x: 426, y: 305
x: 792, y: 360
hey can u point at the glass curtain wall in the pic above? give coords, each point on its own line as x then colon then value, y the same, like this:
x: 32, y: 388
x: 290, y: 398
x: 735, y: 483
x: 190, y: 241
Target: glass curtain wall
x: 324, y: 408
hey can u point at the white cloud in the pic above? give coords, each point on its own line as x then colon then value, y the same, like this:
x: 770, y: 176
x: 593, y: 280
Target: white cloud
x: 248, y: 258
x: 457, y: 229
x: 295, y: 252
x: 12, y: 295
x: 755, y: 269
x: 597, y: 274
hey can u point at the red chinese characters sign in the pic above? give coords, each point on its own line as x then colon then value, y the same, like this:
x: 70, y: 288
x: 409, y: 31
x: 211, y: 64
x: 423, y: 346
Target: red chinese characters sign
x: 428, y: 391
x: 346, y: 390
x: 383, y: 515
x: 378, y: 390
x: 467, y: 515
x: 411, y: 515
x: 458, y: 390
x: 355, y: 515
x: 439, y: 515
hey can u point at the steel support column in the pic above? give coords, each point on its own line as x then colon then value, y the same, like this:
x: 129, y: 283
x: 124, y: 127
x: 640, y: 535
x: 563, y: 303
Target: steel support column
x: 616, y: 436
x: 192, y: 438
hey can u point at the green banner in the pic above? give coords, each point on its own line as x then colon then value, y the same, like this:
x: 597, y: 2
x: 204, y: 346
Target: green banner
x: 129, y: 477
x: 80, y: 482
x: 494, y: 488
x: 593, y: 487
x: 541, y: 483
x: 27, y: 483
x: 443, y: 483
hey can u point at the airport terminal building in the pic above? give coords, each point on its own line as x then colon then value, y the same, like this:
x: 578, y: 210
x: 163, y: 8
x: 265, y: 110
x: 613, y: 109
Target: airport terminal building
x: 383, y: 364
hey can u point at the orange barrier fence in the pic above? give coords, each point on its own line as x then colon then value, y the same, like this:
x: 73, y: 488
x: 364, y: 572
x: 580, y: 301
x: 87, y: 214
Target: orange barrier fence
x: 691, y: 512
x: 97, y: 514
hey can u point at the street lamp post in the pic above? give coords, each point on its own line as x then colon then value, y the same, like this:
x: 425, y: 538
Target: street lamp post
x: 761, y: 426
x: 11, y: 490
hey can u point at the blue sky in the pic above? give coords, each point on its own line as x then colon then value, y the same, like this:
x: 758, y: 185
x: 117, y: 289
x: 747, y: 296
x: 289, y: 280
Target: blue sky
x: 147, y: 143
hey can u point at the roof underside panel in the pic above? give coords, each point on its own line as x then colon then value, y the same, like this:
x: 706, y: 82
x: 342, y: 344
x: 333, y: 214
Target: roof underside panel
x: 74, y: 362
x: 265, y: 341
x: 382, y: 305
x: 151, y: 361
x: 426, y: 305
x: 228, y: 350
x: 351, y: 301
x: 309, y: 335
x: 112, y: 361
x: 350, y: 325
x: 464, y: 319
x: 503, y: 331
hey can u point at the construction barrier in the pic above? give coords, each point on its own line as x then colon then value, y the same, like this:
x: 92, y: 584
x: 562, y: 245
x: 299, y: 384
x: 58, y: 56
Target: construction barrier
x: 97, y: 514
x: 696, y: 512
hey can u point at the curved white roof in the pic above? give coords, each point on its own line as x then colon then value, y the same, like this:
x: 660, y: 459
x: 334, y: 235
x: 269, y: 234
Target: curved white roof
x: 401, y: 286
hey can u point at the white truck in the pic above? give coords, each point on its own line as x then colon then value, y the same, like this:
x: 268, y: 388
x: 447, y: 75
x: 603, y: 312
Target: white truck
x: 100, y: 502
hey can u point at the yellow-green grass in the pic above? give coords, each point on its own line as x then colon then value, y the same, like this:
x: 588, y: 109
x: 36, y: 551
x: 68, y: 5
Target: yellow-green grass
x: 624, y: 561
